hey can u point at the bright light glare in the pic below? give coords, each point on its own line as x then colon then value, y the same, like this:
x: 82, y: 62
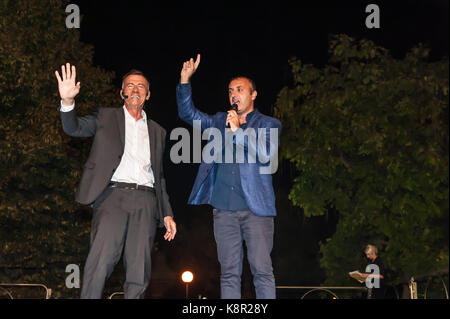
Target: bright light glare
x: 187, y: 276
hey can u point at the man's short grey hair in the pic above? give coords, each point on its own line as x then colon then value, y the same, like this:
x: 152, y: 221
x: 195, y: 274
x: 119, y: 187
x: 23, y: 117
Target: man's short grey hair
x: 135, y: 72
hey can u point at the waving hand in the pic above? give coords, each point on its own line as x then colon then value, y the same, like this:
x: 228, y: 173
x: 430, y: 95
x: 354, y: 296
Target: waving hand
x: 66, y: 84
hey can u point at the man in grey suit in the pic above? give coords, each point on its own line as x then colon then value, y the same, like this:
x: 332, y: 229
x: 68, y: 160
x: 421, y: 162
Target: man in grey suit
x: 123, y: 181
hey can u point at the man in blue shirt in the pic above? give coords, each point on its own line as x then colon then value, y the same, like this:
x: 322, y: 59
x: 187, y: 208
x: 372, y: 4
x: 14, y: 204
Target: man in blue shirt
x: 240, y: 189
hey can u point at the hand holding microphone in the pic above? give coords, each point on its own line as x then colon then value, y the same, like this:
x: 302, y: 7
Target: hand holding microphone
x: 232, y: 121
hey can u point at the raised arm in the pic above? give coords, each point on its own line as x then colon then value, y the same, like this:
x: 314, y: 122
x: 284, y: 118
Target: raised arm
x: 72, y: 125
x: 186, y: 109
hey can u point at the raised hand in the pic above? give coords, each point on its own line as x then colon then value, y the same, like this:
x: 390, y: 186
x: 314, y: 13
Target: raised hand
x: 189, y: 68
x: 66, y: 84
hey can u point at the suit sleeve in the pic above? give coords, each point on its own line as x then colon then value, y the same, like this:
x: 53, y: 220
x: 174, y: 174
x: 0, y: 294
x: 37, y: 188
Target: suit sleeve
x: 166, y: 208
x: 79, y: 126
x: 186, y: 109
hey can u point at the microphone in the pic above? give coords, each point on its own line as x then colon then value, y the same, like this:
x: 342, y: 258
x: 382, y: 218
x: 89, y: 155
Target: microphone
x: 232, y: 107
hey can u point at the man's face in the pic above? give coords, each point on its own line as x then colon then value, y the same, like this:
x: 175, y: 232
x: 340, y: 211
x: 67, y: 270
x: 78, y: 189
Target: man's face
x: 240, y: 92
x: 136, y: 87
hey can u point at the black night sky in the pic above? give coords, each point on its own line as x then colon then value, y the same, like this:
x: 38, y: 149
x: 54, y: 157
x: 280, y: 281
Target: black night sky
x: 251, y: 38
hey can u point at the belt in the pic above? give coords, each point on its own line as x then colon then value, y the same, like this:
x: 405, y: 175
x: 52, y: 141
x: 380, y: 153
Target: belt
x: 132, y: 186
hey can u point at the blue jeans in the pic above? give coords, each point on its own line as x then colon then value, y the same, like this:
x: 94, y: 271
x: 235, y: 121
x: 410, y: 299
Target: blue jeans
x: 230, y: 230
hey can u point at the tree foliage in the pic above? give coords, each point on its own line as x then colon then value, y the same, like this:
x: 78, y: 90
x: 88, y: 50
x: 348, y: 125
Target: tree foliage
x: 42, y: 229
x: 368, y: 135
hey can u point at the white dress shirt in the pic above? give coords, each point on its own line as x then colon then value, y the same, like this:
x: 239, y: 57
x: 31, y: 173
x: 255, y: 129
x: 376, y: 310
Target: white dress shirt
x: 135, y: 166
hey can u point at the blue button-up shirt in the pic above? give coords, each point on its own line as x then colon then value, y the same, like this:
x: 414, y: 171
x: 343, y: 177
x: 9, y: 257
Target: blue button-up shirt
x: 228, y: 194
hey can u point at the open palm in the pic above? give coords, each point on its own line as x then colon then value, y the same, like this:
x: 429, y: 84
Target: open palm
x: 66, y: 82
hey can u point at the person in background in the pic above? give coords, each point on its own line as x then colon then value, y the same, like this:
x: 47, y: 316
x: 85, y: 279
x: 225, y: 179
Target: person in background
x: 375, y: 292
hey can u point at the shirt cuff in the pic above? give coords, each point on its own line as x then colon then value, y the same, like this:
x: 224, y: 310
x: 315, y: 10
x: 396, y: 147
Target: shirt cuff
x: 67, y: 108
x: 184, y: 85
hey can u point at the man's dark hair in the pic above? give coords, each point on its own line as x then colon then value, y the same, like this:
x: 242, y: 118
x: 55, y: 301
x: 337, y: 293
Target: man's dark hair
x: 135, y: 72
x: 252, y: 83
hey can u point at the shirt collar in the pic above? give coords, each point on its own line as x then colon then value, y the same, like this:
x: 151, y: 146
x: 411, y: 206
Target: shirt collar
x: 129, y: 117
x: 250, y: 115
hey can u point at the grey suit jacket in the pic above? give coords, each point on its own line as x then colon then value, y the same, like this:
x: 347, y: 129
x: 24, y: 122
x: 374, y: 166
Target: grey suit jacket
x: 107, y: 125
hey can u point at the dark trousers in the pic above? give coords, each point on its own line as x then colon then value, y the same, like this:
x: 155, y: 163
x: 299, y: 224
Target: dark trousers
x: 231, y: 229
x: 123, y: 220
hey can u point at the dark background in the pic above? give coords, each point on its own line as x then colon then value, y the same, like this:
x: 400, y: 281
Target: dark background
x: 251, y: 38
